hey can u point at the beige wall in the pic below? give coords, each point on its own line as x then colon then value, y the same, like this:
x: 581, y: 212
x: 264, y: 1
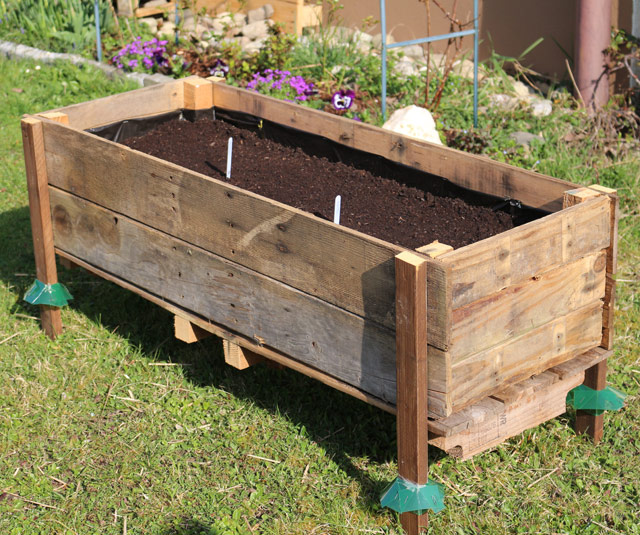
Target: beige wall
x: 507, y: 26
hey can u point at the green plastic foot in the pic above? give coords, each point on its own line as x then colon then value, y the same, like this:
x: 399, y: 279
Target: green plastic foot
x: 595, y: 401
x: 47, y: 294
x: 404, y: 496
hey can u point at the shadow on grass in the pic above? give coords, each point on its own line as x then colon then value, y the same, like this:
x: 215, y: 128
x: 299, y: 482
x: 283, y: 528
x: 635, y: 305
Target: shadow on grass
x: 345, y: 427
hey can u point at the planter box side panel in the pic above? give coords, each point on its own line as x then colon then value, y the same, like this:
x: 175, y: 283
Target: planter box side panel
x: 153, y: 211
x: 466, y: 170
x: 148, y: 101
x: 527, y: 299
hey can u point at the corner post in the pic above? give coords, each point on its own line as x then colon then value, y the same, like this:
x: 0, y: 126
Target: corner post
x: 596, y: 376
x: 411, y: 377
x: 40, y: 212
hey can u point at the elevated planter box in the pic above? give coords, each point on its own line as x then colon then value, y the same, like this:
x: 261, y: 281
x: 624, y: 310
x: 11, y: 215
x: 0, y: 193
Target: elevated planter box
x: 315, y: 296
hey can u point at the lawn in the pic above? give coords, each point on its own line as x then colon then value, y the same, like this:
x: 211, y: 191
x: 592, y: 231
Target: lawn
x: 116, y: 427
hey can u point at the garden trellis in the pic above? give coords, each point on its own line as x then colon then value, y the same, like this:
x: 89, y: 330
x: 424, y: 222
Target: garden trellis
x: 430, y: 39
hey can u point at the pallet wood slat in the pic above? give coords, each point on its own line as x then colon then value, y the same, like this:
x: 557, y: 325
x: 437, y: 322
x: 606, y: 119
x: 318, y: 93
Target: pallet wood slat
x: 467, y: 170
x: 521, y: 307
x: 40, y: 213
x: 518, y: 358
x: 516, y: 255
x: 152, y: 100
x: 347, y: 269
x: 507, y: 420
x: 154, y: 260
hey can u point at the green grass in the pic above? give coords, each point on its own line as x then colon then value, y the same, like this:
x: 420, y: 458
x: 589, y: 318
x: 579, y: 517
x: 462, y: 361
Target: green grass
x: 117, y: 422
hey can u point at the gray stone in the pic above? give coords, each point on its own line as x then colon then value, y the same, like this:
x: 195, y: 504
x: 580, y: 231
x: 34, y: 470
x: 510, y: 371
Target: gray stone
x: 406, y: 67
x: 168, y: 29
x: 255, y: 15
x: 151, y: 22
x: 268, y: 11
x: 521, y: 90
x: 414, y: 51
x: 525, y: 138
x: 504, y: 102
x: 256, y: 30
x: 541, y: 107
x: 254, y: 46
x: 376, y: 40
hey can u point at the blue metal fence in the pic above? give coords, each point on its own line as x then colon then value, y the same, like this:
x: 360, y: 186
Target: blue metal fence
x: 475, y: 32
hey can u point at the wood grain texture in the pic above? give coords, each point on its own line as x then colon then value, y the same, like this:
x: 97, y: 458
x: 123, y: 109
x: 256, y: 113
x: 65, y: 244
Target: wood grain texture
x: 198, y: 93
x: 512, y: 257
x: 239, y: 357
x: 522, y: 307
x: 188, y: 332
x: 346, y: 268
x: 533, y: 352
x: 592, y: 424
x: 328, y: 338
x: 434, y: 249
x: 40, y: 212
x: 225, y: 333
x: 152, y: 100
x: 535, y: 404
x: 411, y: 371
x: 467, y: 170
x: 581, y: 362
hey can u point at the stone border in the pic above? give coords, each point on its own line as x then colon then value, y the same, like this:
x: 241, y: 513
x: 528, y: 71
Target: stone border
x: 15, y: 51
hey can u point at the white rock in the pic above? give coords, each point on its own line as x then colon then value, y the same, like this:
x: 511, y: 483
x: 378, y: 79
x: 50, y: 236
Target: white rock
x: 254, y: 15
x: 406, y: 67
x: 521, y: 90
x: 414, y: 121
x: 239, y: 19
x: 268, y: 11
x: 376, y: 40
x: 168, y: 29
x: 541, y: 107
x: 503, y: 101
x: 256, y: 30
x: 413, y: 51
x: 253, y: 46
x: 151, y: 22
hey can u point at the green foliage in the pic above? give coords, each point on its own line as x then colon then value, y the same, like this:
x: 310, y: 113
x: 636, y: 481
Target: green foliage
x: 57, y: 25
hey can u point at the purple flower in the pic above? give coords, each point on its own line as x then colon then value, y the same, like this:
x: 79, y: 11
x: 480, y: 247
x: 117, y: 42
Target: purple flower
x: 343, y: 99
x: 221, y: 69
x: 133, y: 63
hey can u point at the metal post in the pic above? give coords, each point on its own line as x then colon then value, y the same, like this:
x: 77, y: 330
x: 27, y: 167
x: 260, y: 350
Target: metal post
x: 383, y: 29
x: 96, y: 11
x: 476, y: 38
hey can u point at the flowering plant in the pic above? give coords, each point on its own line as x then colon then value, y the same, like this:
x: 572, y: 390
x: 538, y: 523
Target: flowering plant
x: 282, y: 84
x: 343, y: 100
x: 220, y: 69
x: 142, y: 56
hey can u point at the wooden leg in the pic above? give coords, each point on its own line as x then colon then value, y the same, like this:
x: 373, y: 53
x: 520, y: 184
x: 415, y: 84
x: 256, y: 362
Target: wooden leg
x: 596, y: 378
x: 40, y: 211
x: 411, y: 377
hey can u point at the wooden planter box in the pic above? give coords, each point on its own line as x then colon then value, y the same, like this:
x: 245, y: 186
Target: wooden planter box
x: 318, y: 297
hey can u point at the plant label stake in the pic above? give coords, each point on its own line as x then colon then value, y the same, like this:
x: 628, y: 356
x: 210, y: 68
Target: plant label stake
x: 229, y: 151
x: 336, y: 210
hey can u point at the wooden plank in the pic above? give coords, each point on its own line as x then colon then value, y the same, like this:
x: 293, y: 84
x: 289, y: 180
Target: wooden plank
x: 223, y: 332
x: 152, y: 100
x: 514, y: 393
x: 521, y: 307
x: 612, y: 267
x: 55, y: 116
x: 434, y: 249
x: 464, y: 419
x: 411, y: 369
x: 344, y: 345
x: 543, y: 347
x: 198, y: 93
x: 514, y: 256
x: 581, y: 362
x: 239, y: 357
x: 344, y: 267
x: 529, y: 411
x: 155, y: 10
x: 467, y: 170
x: 188, y: 332
x: 40, y: 212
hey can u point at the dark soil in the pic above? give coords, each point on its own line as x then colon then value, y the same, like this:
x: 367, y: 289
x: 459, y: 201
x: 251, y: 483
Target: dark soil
x: 379, y: 206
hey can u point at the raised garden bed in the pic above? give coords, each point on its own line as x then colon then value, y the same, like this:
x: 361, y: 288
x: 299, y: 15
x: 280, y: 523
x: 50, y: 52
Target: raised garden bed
x: 453, y: 326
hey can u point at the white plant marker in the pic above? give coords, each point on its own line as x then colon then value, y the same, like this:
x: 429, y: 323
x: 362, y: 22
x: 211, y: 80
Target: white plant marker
x: 229, y: 151
x: 336, y: 210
